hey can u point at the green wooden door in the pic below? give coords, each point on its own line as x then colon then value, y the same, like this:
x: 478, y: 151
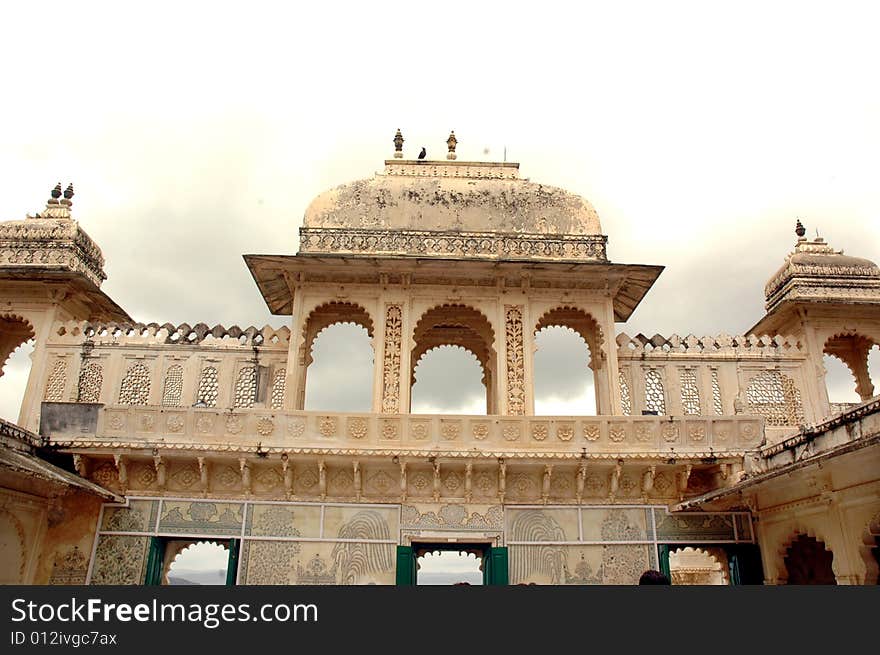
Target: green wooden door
x: 406, y: 566
x: 495, y: 568
x: 744, y: 561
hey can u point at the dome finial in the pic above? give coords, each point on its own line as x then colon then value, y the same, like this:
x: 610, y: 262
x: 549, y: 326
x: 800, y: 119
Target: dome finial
x: 68, y: 192
x: 56, y: 192
x: 398, y: 145
x: 451, y: 142
x: 799, y: 229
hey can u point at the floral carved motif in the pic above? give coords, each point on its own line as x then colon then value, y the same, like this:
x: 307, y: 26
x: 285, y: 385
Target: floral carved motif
x: 516, y: 405
x: 391, y: 360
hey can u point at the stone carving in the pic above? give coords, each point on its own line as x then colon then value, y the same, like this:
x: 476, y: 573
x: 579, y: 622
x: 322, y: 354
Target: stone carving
x: 591, y: 432
x: 586, y: 247
x: 279, y: 383
x: 565, y: 431
x: 357, y: 428
x: 327, y: 426
x: 391, y: 360
x: 204, y: 423
x: 716, y: 394
x: 245, y: 387
x: 625, y: 398
x: 390, y: 430
x: 55, y: 383
x: 208, y: 387
x: 173, y: 388
x: 234, y: 424
x: 655, y: 399
x: 515, y: 361
x: 617, y: 433
x: 774, y: 396
x: 480, y: 431
x: 450, y: 430
x: 690, y: 393
x: 419, y: 430
x: 91, y: 378
x: 265, y: 426
x: 540, y: 431
x: 511, y: 432
x: 135, y: 388
x: 174, y: 423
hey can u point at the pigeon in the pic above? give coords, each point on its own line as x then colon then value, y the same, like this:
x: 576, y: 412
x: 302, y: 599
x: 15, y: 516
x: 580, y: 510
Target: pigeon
x: 423, y: 154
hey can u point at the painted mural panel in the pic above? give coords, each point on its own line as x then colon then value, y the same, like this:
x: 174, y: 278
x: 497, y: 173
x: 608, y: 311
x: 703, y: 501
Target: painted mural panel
x: 693, y: 527
x: 551, y: 525
x: 614, y: 524
x: 353, y: 522
x: 612, y: 564
x: 272, y: 520
x: 316, y: 563
x: 120, y: 560
x: 139, y: 516
x: 207, y: 518
x: 434, y: 516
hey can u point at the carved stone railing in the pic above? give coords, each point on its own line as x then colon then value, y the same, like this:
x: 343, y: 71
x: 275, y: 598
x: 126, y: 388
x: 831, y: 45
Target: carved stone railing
x: 718, y: 375
x: 173, y: 366
x: 428, y: 243
x: 603, y: 437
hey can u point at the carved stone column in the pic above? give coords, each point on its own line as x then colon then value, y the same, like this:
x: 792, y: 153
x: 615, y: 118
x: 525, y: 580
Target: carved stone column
x: 514, y: 353
x: 391, y: 360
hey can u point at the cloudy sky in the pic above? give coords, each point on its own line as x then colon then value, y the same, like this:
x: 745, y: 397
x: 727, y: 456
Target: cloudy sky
x: 197, y: 132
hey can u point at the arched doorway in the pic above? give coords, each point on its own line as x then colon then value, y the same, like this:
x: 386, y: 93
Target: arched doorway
x: 808, y: 562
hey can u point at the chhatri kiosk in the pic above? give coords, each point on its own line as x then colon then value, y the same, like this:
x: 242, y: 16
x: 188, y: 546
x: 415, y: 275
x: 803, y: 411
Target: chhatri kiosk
x: 716, y: 459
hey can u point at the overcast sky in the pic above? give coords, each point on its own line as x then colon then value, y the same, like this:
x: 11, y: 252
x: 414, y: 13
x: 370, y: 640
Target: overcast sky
x: 196, y: 132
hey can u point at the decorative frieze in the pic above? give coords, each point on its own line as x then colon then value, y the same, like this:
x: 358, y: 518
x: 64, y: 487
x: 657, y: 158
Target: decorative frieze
x: 433, y: 243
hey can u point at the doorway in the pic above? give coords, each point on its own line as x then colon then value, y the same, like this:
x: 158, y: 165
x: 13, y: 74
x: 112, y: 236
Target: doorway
x: 463, y: 564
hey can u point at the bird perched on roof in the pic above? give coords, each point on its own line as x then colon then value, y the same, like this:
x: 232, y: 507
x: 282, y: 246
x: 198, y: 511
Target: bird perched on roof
x: 423, y: 153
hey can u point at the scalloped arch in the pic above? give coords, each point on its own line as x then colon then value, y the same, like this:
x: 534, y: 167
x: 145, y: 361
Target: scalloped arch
x: 582, y: 323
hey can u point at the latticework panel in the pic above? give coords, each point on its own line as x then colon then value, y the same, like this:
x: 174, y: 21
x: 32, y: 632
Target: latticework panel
x: 55, y: 384
x: 278, y: 386
x: 245, y: 387
x: 173, y: 389
x: 625, y: 398
x: 209, y: 386
x: 655, y: 400
x: 91, y: 377
x: 774, y: 396
x: 135, y: 387
x: 690, y: 393
x: 716, y: 394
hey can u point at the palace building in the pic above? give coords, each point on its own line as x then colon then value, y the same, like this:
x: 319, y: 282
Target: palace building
x: 715, y: 459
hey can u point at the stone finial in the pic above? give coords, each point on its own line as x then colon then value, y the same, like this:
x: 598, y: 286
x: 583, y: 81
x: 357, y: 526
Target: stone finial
x: 451, y: 142
x: 57, y: 207
x: 398, y: 145
x: 799, y: 229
